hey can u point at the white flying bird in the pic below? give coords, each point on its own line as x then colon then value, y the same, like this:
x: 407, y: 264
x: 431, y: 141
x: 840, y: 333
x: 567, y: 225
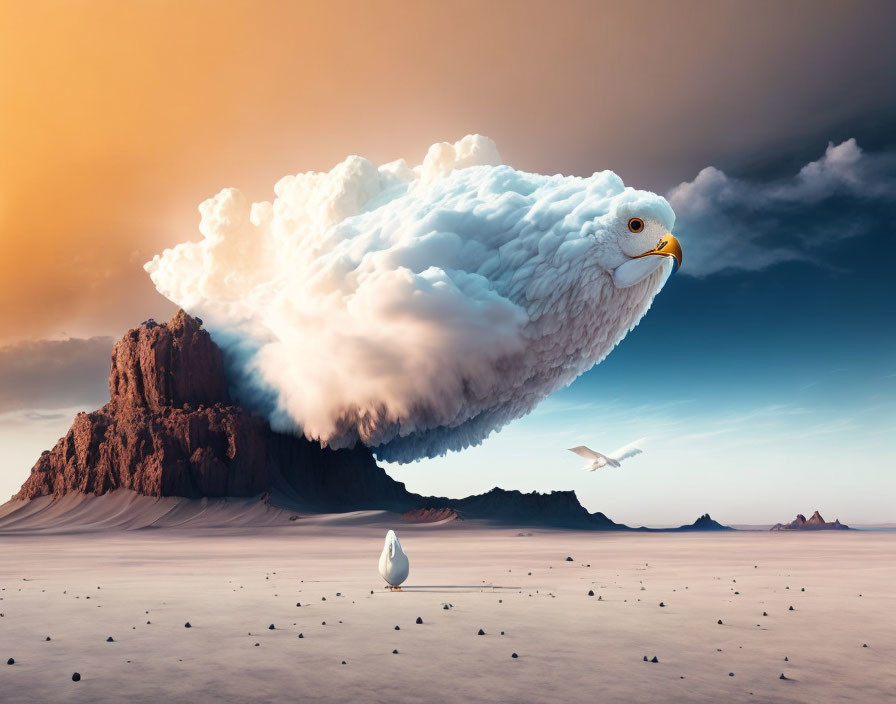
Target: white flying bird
x: 613, y: 459
x: 394, y: 566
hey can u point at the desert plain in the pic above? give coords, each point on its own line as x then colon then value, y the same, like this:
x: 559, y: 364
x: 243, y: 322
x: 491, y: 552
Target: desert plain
x: 714, y: 609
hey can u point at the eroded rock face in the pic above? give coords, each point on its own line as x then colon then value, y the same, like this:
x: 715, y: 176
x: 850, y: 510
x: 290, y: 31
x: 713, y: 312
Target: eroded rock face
x: 167, y: 366
x: 169, y: 429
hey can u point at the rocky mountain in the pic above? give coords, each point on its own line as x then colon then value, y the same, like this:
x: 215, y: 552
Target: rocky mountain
x: 705, y: 522
x: 170, y: 428
x: 816, y: 522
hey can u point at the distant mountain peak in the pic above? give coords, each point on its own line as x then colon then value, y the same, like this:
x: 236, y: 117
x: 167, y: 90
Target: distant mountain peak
x: 816, y: 522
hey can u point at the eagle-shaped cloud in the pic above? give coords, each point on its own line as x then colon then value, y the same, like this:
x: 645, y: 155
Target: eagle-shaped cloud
x: 417, y: 310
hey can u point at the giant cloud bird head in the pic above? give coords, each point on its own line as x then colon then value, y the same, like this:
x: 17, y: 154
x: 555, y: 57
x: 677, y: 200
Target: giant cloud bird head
x: 417, y: 310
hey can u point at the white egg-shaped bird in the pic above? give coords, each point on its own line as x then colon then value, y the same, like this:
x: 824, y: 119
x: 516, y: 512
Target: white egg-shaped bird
x: 394, y: 565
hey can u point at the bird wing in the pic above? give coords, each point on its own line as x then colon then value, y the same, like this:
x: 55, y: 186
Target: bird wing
x: 585, y: 452
x: 626, y: 451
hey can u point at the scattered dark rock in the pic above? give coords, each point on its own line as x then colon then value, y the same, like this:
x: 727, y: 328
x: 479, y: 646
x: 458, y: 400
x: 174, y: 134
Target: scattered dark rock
x: 445, y: 607
x: 301, y: 636
x: 188, y: 625
x: 645, y: 659
x: 662, y: 604
x: 514, y: 656
x: 864, y: 645
x: 343, y: 662
x: 731, y: 674
x: 271, y: 627
x: 11, y: 661
x: 791, y: 609
x: 719, y: 622
x: 48, y: 637
x: 395, y: 652
x: 481, y: 632
x: 590, y: 592
x: 76, y: 677
x: 419, y: 620
x: 654, y: 659
x: 110, y: 639
x: 786, y: 659
x: 782, y: 677
x: 397, y: 628
x: 569, y: 559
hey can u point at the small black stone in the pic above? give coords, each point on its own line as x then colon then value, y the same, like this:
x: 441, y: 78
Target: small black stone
x: 654, y: 659
x: 257, y: 644
x: 188, y: 625
x: 569, y: 559
x: 395, y: 652
x: 445, y: 607
x: 301, y: 636
x: 802, y: 589
x: 48, y: 637
x: 786, y: 659
x: 110, y: 639
x: 790, y: 609
x: 299, y: 603
x: 11, y: 661
x: 782, y: 677
x: 764, y: 613
x: 864, y: 645
x: 343, y: 662
x: 514, y: 656
x: 719, y: 622
x: 323, y: 598
x: 481, y: 632
x: 590, y: 592
x: 662, y: 604
x: 419, y: 620
x: 731, y: 674
x: 645, y: 659
x: 323, y: 623
x: 397, y: 628
x: 271, y: 627
x: 76, y: 677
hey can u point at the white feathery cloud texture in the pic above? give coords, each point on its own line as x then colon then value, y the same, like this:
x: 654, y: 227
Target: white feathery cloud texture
x: 735, y: 224
x: 416, y: 310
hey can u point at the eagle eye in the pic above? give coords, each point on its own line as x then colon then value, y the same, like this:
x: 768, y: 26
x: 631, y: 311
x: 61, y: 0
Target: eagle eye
x: 635, y: 225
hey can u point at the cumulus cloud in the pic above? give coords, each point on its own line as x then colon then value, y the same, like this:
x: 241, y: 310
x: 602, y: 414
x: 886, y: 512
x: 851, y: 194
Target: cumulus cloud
x: 738, y: 224
x: 50, y: 374
x: 415, y: 309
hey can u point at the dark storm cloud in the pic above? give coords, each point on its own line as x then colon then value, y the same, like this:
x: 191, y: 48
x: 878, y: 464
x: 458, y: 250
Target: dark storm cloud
x: 730, y: 223
x: 48, y: 374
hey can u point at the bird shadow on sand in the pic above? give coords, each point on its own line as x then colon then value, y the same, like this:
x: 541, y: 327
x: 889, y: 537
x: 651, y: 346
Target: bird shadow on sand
x: 453, y: 588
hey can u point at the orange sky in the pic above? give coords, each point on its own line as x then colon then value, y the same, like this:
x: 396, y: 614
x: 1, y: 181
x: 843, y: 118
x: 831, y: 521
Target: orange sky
x: 118, y: 118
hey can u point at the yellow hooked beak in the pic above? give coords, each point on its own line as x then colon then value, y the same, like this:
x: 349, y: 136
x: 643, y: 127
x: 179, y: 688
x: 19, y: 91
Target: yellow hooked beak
x: 668, y: 246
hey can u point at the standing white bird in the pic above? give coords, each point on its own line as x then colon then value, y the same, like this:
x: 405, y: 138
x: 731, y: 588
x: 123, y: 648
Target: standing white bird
x: 613, y: 459
x: 394, y: 566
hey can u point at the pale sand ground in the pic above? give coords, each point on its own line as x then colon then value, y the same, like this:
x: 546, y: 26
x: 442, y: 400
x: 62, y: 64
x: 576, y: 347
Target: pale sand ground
x: 572, y: 647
